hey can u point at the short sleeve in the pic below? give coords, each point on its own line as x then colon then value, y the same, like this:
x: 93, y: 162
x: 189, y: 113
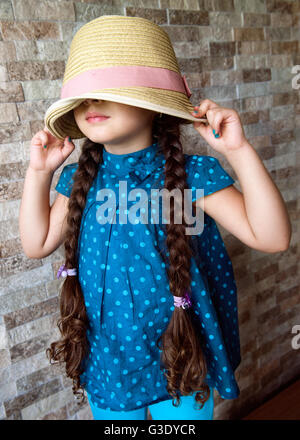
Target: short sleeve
x: 206, y: 173
x: 65, y: 181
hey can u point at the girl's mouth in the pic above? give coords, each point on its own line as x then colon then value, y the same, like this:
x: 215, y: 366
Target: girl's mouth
x: 97, y: 119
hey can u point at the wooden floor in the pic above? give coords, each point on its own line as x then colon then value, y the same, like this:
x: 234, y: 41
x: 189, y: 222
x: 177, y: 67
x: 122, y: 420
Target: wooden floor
x: 284, y: 406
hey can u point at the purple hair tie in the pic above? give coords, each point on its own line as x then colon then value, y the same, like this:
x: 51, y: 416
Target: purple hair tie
x: 63, y: 271
x: 182, y: 301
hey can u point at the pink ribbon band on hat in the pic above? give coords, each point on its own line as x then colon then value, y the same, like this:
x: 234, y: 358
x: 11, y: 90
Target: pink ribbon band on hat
x: 182, y: 301
x: 125, y: 76
x: 63, y: 271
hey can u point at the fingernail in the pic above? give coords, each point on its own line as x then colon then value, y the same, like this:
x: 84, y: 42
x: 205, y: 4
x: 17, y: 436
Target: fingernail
x: 70, y: 140
x: 216, y: 135
x: 45, y: 146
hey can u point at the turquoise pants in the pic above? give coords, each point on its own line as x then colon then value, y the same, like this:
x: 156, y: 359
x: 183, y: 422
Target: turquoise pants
x: 161, y: 411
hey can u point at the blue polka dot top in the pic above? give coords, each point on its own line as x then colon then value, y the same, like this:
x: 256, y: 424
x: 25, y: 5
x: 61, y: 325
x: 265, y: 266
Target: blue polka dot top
x: 122, y: 271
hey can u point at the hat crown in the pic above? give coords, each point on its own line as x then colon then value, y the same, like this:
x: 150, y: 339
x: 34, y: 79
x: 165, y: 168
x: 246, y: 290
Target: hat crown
x: 116, y: 40
x: 127, y: 60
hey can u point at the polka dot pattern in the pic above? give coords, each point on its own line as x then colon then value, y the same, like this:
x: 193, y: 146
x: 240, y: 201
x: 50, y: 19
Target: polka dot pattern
x: 122, y: 269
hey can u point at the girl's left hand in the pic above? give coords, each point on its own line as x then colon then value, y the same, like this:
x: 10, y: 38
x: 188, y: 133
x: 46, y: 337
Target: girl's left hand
x: 225, y: 121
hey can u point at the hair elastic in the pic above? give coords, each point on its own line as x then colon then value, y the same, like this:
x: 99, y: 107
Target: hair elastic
x: 182, y: 301
x: 63, y: 271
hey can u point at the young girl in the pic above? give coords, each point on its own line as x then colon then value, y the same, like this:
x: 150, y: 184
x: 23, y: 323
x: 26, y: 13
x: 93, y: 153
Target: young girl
x: 148, y: 311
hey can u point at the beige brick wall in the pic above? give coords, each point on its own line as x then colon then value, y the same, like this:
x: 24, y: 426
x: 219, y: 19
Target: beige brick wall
x: 239, y: 53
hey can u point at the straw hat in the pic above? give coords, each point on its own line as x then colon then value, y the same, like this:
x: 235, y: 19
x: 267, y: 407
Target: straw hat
x: 129, y: 60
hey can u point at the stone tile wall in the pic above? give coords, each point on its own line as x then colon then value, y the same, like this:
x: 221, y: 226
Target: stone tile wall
x: 239, y: 53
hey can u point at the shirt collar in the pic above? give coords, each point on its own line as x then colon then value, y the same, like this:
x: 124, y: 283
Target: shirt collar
x: 141, y: 163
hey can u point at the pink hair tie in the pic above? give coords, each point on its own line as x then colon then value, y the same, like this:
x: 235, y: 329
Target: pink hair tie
x: 182, y: 301
x: 63, y: 271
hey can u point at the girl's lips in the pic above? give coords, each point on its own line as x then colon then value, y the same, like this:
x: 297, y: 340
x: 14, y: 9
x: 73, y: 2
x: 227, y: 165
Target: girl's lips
x: 97, y: 119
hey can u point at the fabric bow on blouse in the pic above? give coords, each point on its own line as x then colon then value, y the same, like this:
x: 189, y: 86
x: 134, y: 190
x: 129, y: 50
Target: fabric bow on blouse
x: 139, y: 164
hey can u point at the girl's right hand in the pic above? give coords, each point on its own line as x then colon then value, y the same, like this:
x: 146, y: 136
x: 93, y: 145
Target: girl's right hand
x: 50, y: 158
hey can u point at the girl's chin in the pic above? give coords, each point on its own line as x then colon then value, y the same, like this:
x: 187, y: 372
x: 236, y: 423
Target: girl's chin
x: 97, y: 139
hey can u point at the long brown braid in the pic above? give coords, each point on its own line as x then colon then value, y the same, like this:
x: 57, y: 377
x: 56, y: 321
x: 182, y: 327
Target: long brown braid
x: 73, y: 322
x: 182, y: 356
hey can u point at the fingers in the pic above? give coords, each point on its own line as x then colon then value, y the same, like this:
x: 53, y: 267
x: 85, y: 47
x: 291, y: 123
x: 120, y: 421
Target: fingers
x: 204, y: 107
x: 40, y: 139
x: 68, y: 147
x: 68, y: 141
x: 217, y: 120
x: 44, y: 139
x: 213, y: 113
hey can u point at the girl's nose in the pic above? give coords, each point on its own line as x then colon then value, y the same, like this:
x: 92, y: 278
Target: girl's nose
x: 89, y: 100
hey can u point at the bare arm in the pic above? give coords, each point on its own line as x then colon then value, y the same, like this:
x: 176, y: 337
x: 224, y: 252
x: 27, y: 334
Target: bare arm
x: 42, y: 227
x: 258, y: 216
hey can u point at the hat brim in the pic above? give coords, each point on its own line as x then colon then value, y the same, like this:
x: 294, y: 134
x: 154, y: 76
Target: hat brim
x: 59, y: 117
